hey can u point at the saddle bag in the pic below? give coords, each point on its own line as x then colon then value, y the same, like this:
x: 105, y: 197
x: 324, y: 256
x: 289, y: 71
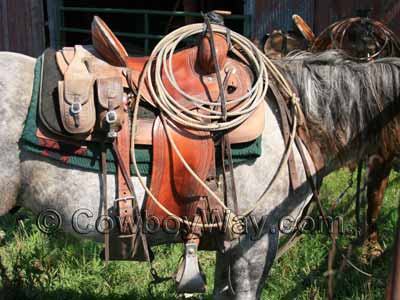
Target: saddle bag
x: 76, y: 96
x: 110, y: 94
x: 90, y: 95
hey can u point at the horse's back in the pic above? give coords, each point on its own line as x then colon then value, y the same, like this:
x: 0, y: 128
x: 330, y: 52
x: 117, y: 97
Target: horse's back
x: 15, y: 65
x: 16, y: 82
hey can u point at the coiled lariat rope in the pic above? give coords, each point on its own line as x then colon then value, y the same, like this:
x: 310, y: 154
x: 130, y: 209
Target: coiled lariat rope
x: 206, y: 117
x: 334, y: 36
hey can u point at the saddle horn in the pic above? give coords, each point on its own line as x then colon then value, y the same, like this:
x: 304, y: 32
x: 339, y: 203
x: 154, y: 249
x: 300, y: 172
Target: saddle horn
x: 204, y: 56
x: 304, y: 28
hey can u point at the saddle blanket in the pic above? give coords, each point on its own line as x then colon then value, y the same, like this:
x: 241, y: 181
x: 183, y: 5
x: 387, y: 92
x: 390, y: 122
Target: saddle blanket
x: 86, y: 155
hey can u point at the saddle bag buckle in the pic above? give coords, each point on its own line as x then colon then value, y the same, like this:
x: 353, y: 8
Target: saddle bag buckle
x: 76, y: 108
x: 111, y: 117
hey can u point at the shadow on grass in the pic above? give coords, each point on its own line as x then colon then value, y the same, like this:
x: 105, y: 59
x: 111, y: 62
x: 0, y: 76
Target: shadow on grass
x: 40, y: 267
x: 349, y: 281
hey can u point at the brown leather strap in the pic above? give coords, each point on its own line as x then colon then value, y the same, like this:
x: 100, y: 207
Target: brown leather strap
x: 226, y: 151
x: 303, y: 132
x: 294, y: 178
x: 226, y: 145
x: 314, y: 188
x: 105, y: 203
x: 127, y: 204
x: 318, y: 163
x: 124, y: 206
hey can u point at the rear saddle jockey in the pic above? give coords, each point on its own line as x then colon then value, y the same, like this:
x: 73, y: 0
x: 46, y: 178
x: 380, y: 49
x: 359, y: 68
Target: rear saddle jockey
x: 100, y: 85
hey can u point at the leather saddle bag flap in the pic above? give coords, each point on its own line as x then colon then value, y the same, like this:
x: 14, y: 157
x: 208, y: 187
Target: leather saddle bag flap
x: 110, y: 92
x: 76, y: 97
x: 110, y: 95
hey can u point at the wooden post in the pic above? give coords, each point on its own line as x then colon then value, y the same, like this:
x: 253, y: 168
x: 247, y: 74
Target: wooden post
x: 37, y: 25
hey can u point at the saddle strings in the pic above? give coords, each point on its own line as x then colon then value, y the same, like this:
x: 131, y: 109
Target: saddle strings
x: 210, y: 119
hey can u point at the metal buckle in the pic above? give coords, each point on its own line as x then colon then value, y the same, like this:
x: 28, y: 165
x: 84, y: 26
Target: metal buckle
x: 112, y: 134
x: 116, y: 208
x: 76, y: 108
x: 111, y: 117
x: 124, y: 199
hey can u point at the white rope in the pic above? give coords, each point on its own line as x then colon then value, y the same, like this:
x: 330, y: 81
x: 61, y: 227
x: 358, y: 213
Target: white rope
x: 203, y: 118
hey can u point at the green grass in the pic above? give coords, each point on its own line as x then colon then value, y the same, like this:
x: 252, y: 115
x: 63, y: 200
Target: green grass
x: 38, y: 266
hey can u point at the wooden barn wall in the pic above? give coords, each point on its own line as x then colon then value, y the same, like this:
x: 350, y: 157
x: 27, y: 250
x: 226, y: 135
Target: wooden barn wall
x: 277, y: 14
x: 22, y: 26
x: 330, y: 11
x: 391, y: 14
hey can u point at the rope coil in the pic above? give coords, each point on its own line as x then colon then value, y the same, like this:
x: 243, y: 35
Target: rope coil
x: 205, y: 117
x: 334, y: 37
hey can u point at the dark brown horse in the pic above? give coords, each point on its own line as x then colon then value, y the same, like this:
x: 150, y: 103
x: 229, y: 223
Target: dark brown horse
x: 361, y: 39
x: 364, y: 39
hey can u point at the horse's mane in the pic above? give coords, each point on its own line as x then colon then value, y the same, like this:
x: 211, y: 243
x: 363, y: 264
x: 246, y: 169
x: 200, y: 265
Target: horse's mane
x: 343, y: 101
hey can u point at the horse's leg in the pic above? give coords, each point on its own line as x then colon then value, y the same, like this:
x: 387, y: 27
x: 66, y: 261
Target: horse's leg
x: 9, y: 174
x: 378, y: 174
x: 241, y: 272
x: 16, y: 79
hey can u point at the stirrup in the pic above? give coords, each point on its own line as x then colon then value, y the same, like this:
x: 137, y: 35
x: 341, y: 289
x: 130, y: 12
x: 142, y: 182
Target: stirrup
x: 189, y: 278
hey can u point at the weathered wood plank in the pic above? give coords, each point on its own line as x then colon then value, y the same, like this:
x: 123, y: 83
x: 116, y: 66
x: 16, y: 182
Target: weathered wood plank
x: 4, y: 41
x: 22, y: 26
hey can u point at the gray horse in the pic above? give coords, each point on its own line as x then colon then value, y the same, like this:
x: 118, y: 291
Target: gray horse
x: 344, y: 104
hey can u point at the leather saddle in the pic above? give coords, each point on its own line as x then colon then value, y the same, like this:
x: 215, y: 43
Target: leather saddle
x: 193, y: 72
x: 280, y: 43
x: 195, y: 75
x: 96, y: 86
x: 93, y: 99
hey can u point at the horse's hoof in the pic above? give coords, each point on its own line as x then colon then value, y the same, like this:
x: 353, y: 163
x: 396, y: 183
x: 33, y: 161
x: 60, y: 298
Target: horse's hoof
x: 370, y: 250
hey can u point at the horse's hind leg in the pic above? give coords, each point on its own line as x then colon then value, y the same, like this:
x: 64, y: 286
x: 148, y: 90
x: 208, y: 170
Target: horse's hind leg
x: 16, y: 79
x: 9, y: 177
x: 242, y: 271
x: 378, y: 174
